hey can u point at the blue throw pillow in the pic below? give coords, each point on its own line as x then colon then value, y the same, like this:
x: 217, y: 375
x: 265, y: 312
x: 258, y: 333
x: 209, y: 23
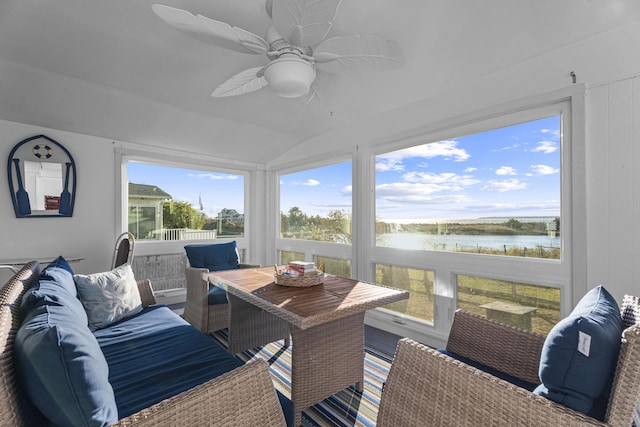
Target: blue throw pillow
x: 214, y: 257
x: 580, y: 353
x: 60, y: 262
x: 55, y: 283
x: 61, y: 367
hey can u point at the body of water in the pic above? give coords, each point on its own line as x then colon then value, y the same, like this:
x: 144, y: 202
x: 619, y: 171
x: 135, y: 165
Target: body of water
x: 449, y: 242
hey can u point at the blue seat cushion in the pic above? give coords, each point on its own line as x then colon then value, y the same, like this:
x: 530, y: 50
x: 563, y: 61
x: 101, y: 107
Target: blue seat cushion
x: 216, y: 295
x: 171, y: 356
x: 496, y: 373
x: 214, y: 257
x: 58, y: 361
x: 580, y: 353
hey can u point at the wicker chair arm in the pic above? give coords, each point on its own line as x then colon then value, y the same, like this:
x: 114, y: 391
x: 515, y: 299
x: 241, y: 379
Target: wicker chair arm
x: 425, y: 387
x: 196, y: 309
x: 502, y: 347
x: 242, y: 397
x: 146, y: 293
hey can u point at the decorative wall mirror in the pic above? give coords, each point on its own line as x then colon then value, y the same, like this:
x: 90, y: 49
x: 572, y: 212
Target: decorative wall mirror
x: 42, y: 178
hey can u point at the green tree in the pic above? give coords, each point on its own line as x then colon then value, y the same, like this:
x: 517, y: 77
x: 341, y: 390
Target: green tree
x: 181, y: 215
x: 338, y: 223
x: 514, y: 224
x: 296, y: 218
x: 229, y: 222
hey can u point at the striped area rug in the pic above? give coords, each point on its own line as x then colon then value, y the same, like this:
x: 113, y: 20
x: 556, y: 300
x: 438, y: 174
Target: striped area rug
x: 347, y: 408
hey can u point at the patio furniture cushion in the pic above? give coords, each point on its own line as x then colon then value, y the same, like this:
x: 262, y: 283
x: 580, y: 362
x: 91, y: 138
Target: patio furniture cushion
x: 496, y: 373
x: 54, y: 281
x: 56, y: 354
x: 109, y: 296
x: 579, y: 355
x: 216, y: 295
x: 214, y: 257
x: 159, y: 371
x: 59, y: 262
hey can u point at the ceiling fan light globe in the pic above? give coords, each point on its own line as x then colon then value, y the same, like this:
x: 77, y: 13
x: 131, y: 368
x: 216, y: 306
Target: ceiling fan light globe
x: 289, y: 76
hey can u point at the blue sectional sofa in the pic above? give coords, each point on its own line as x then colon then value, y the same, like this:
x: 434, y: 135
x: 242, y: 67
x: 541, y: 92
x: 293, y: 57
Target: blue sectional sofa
x: 78, y: 355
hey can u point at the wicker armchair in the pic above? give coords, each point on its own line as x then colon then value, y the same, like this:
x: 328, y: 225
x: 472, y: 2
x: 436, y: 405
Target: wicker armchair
x: 197, y: 311
x: 426, y: 387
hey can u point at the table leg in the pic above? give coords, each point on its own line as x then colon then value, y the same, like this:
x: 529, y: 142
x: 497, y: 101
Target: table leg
x: 250, y: 326
x: 326, y: 359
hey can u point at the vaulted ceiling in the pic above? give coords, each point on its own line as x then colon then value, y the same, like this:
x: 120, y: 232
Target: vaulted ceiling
x: 112, y: 68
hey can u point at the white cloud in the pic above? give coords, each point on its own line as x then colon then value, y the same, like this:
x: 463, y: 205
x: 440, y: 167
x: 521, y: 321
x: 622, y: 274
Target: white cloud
x: 503, y: 186
x: 212, y: 176
x: 389, y: 164
x: 405, y: 192
x: 308, y: 183
x: 507, y: 147
x: 447, y: 178
x: 506, y: 170
x: 546, y: 147
x: 447, y: 149
x: 555, y: 133
x: 544, y: 170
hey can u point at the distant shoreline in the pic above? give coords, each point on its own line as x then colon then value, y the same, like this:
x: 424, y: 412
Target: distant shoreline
x: 481, y: 220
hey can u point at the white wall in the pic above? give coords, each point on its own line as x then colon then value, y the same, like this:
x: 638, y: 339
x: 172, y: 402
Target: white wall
x: 613, y: 186
x: 90, y: 233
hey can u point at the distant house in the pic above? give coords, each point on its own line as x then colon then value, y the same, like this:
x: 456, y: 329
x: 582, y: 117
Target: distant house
x: 145, y: 209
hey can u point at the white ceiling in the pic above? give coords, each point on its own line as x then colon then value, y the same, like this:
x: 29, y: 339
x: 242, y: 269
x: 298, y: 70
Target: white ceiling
x: 112, y: 68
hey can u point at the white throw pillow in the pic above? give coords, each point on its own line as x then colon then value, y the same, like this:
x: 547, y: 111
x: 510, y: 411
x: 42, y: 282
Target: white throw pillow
x: 108, y: 297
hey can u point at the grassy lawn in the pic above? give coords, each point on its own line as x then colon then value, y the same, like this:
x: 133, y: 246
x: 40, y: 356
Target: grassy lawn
x: 472, y: 293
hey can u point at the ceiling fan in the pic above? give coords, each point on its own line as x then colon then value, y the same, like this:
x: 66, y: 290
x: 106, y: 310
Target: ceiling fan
x: 295, y: 44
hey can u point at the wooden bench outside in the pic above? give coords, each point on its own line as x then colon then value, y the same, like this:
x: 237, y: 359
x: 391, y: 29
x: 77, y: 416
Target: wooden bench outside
x: 510, y: 313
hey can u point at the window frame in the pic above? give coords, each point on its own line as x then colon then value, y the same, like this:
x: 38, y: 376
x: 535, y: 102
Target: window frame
x: 311, y: 248
x: 245, y: 243
x: 568, y: 274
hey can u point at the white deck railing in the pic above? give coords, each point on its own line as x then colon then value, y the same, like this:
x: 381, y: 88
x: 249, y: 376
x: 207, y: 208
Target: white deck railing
x: 184, y: 234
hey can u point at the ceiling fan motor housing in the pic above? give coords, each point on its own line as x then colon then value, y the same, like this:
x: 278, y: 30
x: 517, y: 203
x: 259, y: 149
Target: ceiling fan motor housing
x: 290, y: 76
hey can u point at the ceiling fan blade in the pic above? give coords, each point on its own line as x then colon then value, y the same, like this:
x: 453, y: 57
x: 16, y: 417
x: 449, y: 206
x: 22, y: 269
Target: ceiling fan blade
x: 211, y: 31
x: 246, y: 81
x: 312, y: 97
x: 358, y: 53
x: 304, y: 22
x: 268, y: 6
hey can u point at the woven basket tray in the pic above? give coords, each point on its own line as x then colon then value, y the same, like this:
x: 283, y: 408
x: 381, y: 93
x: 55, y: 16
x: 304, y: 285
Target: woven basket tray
x: 310, y: 279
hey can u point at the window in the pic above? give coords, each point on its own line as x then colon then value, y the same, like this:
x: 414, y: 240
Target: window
x: 531, y: 307
x: 287, y: 256
x: 337, y: 267
x: 494, y: 192
x: 418, y: 282
x: 173, y: 203
x: 482, y: 216
x: 315, y: 204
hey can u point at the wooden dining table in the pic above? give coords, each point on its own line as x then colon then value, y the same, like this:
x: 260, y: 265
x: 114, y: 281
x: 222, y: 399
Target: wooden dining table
x: 326, y: 323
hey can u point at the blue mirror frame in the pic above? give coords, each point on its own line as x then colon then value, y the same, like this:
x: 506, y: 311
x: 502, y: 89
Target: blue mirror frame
x: 46, y: 153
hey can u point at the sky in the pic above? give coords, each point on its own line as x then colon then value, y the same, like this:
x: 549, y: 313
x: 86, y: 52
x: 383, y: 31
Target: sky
x: 507, y: 172
x: 216, y: 190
